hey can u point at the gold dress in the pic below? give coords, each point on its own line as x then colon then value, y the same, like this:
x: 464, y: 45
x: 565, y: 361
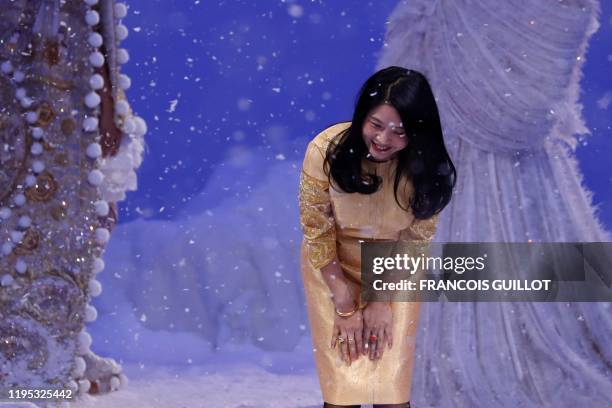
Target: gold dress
x: 334, y: 223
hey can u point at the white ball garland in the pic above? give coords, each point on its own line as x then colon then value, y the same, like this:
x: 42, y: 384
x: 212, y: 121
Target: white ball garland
x: 95, y: 40
x: 30, y: 180
x: 102, y: 235
x: 102, y: 208
x: 6, y: 280
x: 141, y: 126
x: 96, y: 82
x: 90, y: 124
x: 122, y: 107
x: 125, y: 82
x: 7, y: 248
x: 18, y: 76
x: 37, y: 132
x: 5, y: 213
x: 31, y: 117
x: 38, y: 166
x: 91, y: 314
x: 96, y: 59
x: 20, y: 266
x: 92, y: 100
x: 92, y: 17
x: 84, y: 340
x: 6, y: 67
x: 95, y: 287
x: 24, y: 221
x: 121, y: 32
x: 19, y: 199
x: 95, y: 177
x: 94, y: 150
x: 120, y: 10
x: 97, y: 265
x: 122, y: 56
x: 36, y: 149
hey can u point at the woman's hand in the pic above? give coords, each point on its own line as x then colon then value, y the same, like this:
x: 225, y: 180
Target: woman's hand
x: 350, y: 329
x: 377, y: 325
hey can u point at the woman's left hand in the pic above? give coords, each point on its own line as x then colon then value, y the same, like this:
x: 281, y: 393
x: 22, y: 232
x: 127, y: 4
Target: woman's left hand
x: 377, y: 324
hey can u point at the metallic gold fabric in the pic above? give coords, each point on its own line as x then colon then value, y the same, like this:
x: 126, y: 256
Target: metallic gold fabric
x: 355, y: 217
x: 316, y: 220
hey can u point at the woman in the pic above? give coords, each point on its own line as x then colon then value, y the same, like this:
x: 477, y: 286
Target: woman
x: 384, y: 175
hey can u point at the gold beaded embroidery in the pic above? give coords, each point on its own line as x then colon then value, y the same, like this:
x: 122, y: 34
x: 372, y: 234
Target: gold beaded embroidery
x: 317, y: 220
x: 422, y: 230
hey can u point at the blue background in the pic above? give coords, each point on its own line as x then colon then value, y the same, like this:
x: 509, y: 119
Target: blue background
x: 214, y: 79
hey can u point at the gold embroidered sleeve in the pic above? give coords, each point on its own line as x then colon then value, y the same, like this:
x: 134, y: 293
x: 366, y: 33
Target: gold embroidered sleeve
x: 421, y: 230
x: 316, y: 216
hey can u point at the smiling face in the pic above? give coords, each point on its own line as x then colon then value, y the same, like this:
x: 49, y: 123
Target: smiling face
x: 383, y: 133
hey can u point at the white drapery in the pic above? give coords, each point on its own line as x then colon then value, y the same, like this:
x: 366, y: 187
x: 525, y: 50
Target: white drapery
x: 506, y: 77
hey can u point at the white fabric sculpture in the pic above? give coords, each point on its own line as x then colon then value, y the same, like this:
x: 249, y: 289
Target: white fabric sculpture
x: 69, y: 150
x: 506, y: 76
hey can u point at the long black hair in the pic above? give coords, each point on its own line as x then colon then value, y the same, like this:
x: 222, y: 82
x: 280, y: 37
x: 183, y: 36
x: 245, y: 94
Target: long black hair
x: 424, y: 160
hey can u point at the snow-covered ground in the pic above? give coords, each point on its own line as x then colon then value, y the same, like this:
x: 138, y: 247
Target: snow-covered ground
x: 238, y: 385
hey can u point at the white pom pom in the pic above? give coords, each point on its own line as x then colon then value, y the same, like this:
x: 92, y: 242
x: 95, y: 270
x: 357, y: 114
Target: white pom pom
x: 141, y: 126
x: 92, y: 100
x: 6, y: 67
x: 84, y: 385
x: 20, y: 93
x: 120, y: 10
x: 37, y: 132
x: 129, y: 126
x: 98, y: 265
x: 96, y: 82
x: 26, y: 102
x: 84, y: 342
x: 19, y: 199
x: 72, y: 386
x: 5, y: 213
x: 90, y: 124
x: 16, y: 236
x: 95, y: 288
x: 115, y: 383
x: 21, y: 266
x: 18, y: 76
x: 7, y: 280
x: 38, y: 166
x: 79, y: 367
x: 102, y: 235
x: 92, y: 17
x: 30, y: 180
x: 91, y: 314
x: 115, y: 367
x: 101, y: 208
x: 7, y: 248
x: 122, y: 107
x: 125, y: 82
x: 36, y: 149
x: 122, y: 56
x: 122, y: 32
x: 91, y: 2
x: 95, y: 40
x: 95, y: 177
x: 96, y: 59
x: 94, y: 150
x: 31, y: 117
x: 24, y: 221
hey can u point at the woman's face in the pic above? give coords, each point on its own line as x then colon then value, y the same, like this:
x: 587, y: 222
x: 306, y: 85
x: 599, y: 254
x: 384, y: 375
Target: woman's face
x: 383, y: 133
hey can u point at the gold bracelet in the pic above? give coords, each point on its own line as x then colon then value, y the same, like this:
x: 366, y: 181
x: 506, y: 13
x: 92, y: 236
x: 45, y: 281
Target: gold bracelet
x: 347, y: 314
x: 363, y: 305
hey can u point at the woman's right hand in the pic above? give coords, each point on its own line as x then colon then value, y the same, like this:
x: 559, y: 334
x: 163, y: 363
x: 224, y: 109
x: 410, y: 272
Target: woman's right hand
x: 351, y: 330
